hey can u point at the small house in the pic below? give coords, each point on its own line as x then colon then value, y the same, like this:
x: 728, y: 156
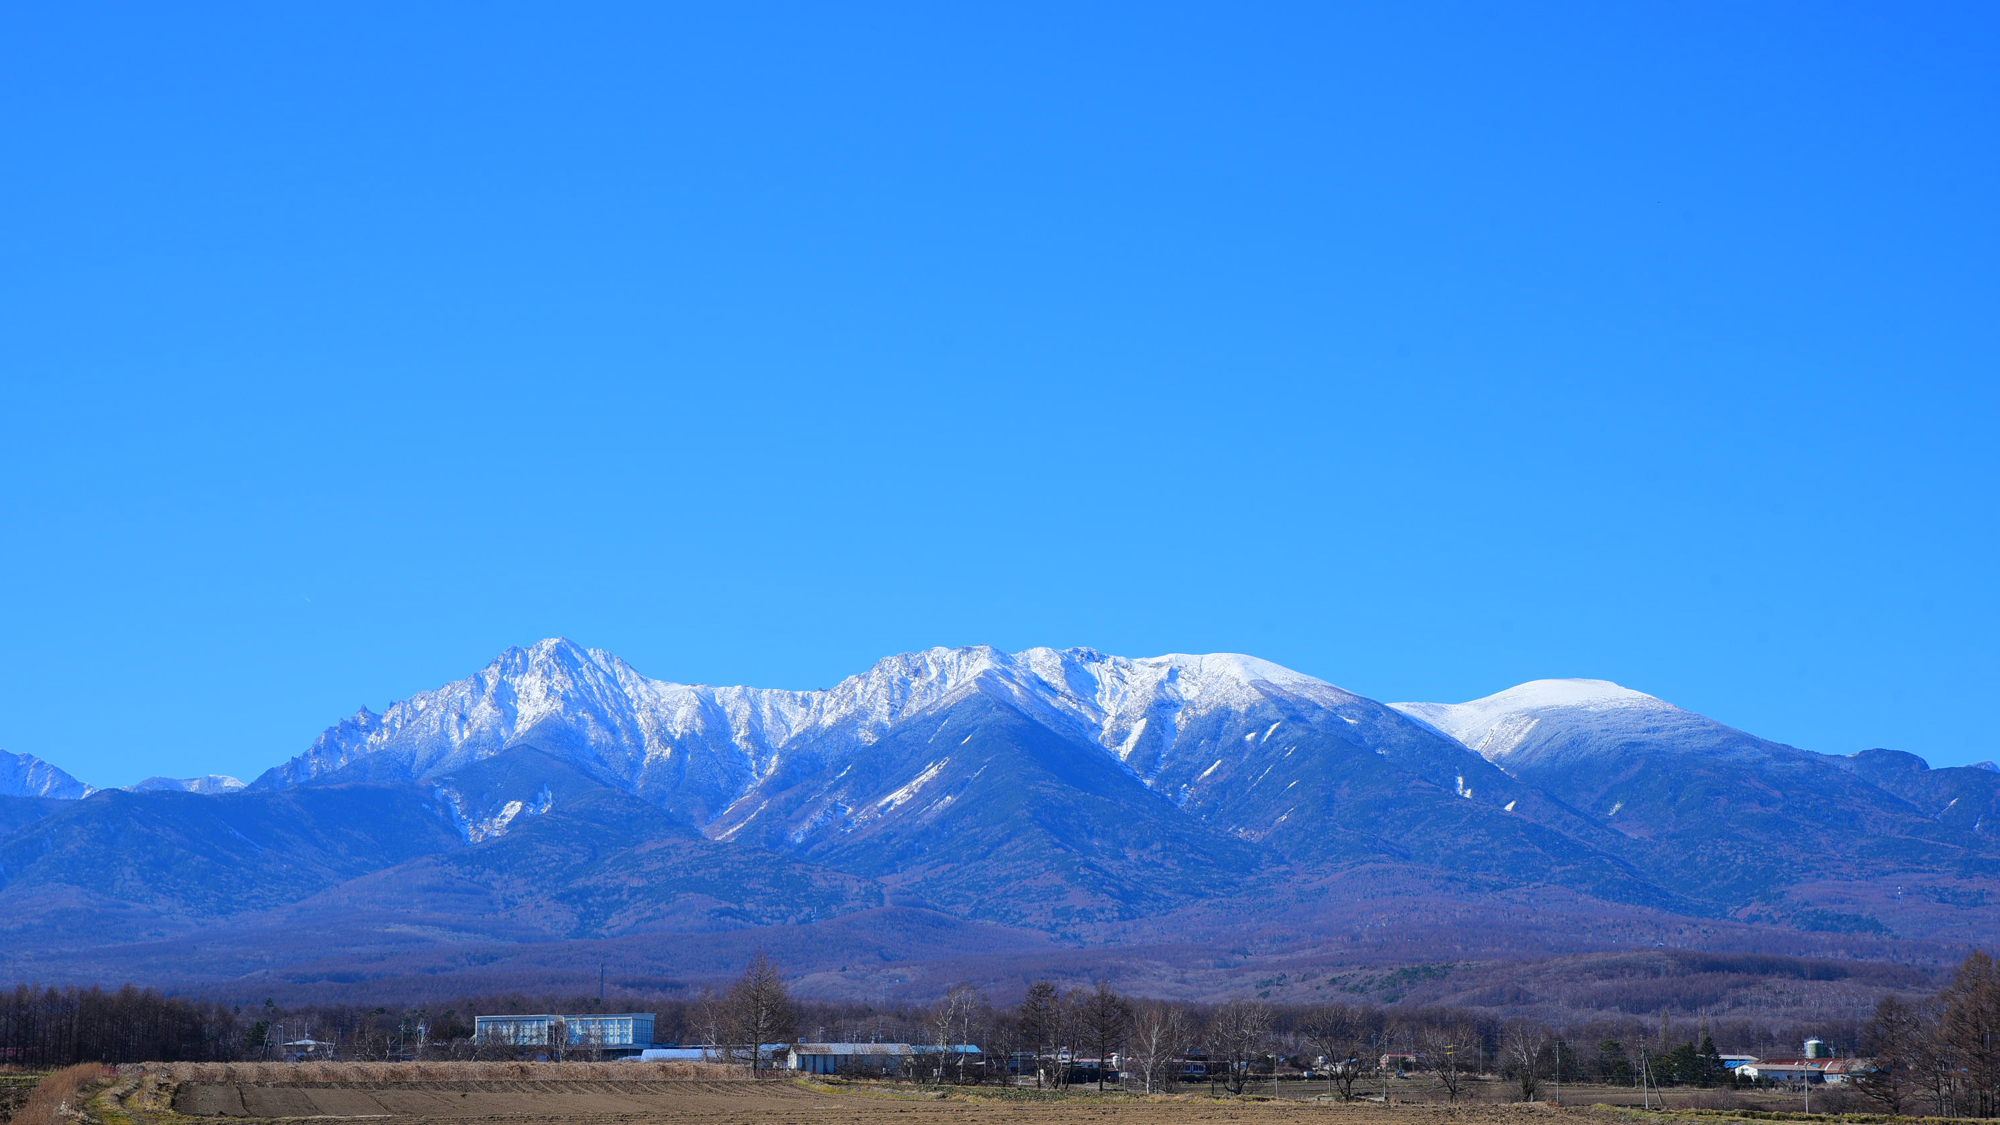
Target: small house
x: 835, y: 1058
x: 1786, y: 1070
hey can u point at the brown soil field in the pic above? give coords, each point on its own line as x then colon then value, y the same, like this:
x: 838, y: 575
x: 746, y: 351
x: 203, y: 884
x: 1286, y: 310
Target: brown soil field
x: 783, y: 1102
x: 269, y: 1094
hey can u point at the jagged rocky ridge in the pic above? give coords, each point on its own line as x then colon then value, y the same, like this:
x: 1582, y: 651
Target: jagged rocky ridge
x: 710, y: 745
x: 24, y: 775
x: 208, y: 783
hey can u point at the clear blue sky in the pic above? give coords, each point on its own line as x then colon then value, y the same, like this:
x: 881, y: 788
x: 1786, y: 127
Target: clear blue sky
x: 1425, y: 348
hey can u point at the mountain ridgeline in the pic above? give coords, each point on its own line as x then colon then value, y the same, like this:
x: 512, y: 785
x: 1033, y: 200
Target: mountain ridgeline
x: 961, y: 805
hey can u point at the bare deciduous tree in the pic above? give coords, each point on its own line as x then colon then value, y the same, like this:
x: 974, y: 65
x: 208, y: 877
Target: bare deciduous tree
x: 950, y: 1027
x: 1896, y: 1037
x: 1237, y: 1036
x: 710, y: 1020
x: 1526, y: 1054
x: 1104, y: 1018
x: 1338, y: 1034
x: 1160, y: 1032
x: 758, y: 1010
x: 1969, y: 1021
x: 1445, y: 1050
x: 1042, y: 1029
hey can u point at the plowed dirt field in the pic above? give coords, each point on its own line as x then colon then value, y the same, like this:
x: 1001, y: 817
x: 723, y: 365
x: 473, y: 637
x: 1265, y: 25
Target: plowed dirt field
x: 779, y: 1102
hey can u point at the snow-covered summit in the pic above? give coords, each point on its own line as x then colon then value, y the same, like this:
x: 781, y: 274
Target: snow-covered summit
x: 638, y: 732
x: 1498, y: 724
x: 1546, y: 723
x: 208, y: 784
x: 1537, y: 694
x: 24, y: 775
x: 1105, y: 693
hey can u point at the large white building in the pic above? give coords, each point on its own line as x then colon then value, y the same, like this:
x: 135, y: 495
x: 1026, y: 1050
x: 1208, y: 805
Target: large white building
x: 626, y: 1031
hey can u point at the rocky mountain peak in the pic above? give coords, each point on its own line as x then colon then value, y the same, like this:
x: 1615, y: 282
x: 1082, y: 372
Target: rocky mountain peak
x: 24, y: 775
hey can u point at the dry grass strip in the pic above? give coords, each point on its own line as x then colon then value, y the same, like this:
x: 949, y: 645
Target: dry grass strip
x: 275, y: 1073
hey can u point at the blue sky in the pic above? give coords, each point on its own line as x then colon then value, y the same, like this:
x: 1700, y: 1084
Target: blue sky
x: 1425, y: 348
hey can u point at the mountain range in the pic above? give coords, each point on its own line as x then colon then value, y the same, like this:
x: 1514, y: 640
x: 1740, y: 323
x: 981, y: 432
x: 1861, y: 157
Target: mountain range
x: 1191, y: 823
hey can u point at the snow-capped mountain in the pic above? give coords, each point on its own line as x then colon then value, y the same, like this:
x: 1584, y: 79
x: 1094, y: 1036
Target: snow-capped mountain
x: 209, y: 784
x: 1204, y: 765
x: 1668, y: 777
x: 558, y: 793
x: 24, y: 775
x: 1550, y: 723
x: 699, y: 748
x: 1557, y: 732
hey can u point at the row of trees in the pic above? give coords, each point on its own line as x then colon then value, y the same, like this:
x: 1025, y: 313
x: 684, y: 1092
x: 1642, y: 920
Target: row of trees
x: 1155, y: 1041
x: 1158, y: 1043
x: 50, y: 1027
x: 1063, y: 1035
x: 1943, y: 1052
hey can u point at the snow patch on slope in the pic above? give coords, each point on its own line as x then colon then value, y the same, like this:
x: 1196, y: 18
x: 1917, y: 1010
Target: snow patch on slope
x: 473, y: 828
x: 916, y: 785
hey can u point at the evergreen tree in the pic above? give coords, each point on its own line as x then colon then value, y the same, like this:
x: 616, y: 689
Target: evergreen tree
x: 1709, y: 1060
x: 1680, y: 1066
x: 1613, y: 1064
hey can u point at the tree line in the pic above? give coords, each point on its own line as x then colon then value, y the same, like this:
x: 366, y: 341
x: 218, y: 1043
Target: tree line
x: 1065, y: 1036
x: 1940, y: 1053
x: 51, y: 1027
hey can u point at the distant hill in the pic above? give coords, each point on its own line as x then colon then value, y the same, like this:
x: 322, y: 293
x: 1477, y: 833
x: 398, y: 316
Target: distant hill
x: 972, y: 810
